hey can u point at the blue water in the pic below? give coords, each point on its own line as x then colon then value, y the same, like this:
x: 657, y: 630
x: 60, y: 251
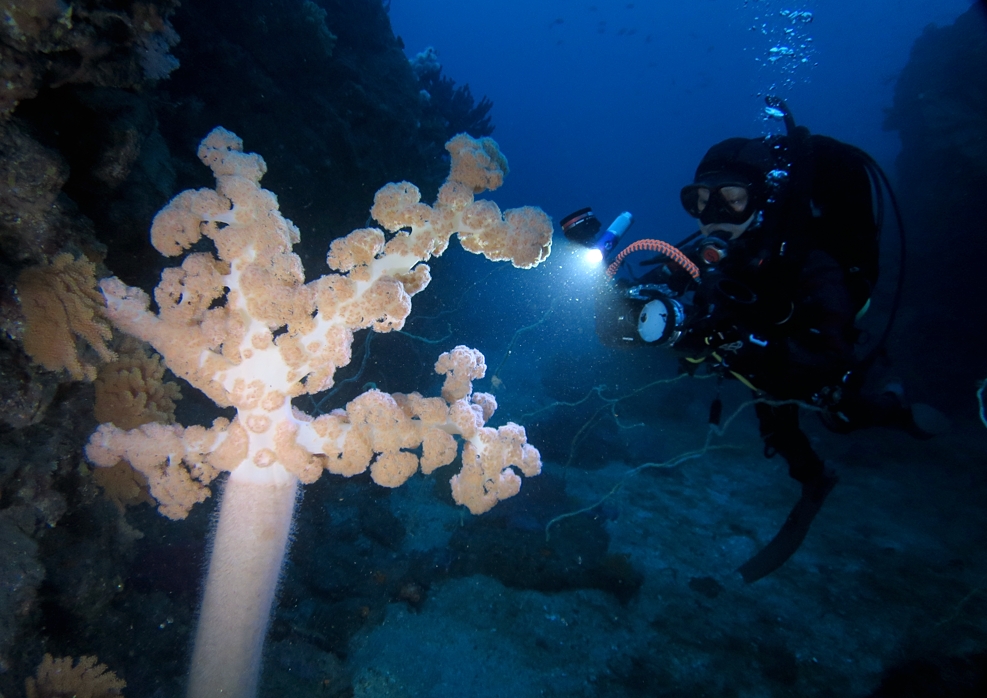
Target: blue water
x: 611, y: 104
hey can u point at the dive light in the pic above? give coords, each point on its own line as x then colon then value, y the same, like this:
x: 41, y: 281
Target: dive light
x: 583, y: 228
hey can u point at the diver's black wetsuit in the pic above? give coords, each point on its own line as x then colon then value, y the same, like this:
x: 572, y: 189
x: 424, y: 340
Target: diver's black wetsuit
x: 788, y: 262
x: 778, y: 313
x: 785, y: 329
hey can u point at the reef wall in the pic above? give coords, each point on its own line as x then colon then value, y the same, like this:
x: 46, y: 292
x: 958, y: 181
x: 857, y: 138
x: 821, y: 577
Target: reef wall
x: 939, y: 106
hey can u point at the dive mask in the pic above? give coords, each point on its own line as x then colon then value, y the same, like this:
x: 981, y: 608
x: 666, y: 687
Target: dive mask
x: 728, y: 202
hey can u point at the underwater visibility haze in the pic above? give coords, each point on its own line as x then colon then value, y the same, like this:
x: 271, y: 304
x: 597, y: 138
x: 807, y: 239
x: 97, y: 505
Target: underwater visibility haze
x: 311, y: 384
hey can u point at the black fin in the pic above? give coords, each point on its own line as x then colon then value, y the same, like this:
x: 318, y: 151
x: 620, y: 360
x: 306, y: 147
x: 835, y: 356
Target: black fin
x: 793, y: 531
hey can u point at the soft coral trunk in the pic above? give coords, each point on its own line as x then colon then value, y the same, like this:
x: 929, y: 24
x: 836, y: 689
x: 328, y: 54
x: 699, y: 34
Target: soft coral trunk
x: 248, y: 552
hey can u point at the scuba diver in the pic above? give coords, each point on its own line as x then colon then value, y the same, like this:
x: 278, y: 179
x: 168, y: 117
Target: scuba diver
x: 768, y: 291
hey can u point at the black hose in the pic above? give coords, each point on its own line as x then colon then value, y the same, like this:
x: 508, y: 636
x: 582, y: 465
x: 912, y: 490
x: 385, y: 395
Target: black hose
x: 880, y: 178
x: 877, y: 175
